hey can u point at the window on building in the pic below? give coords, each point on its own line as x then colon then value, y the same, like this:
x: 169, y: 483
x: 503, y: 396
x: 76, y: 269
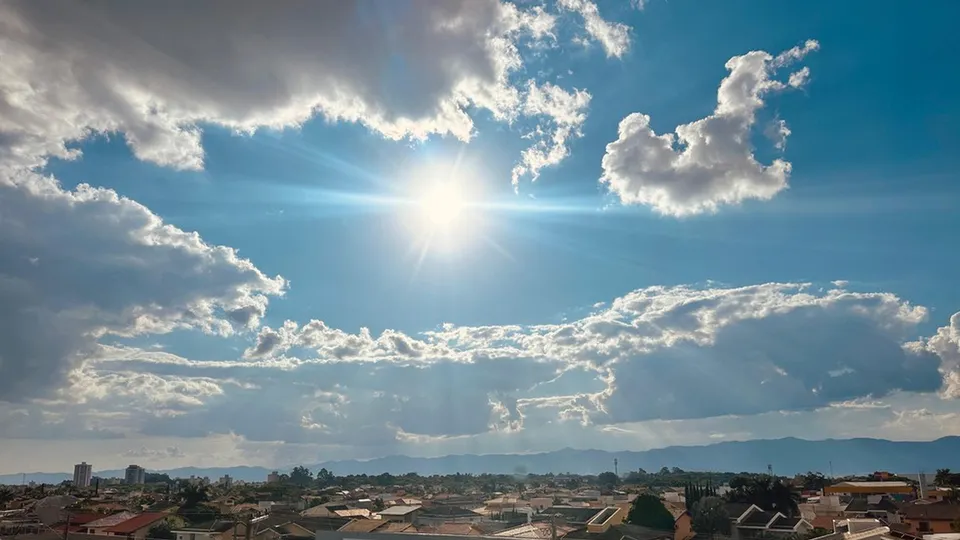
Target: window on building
x: 924, y: 526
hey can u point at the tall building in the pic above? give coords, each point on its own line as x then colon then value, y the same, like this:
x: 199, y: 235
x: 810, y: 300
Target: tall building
x: 226, y: 481
x: 273, y: 478
x: 135, y: 474
x: 82, y: 472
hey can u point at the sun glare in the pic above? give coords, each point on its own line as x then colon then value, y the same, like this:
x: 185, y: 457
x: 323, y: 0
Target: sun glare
x: 442, y: 204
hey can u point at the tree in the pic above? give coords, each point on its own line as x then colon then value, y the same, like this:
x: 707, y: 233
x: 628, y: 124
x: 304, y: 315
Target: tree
x: 649, y: 511
x: 301, y: 476
x: 161, y: 530
x: 6, y: 495
x: 765, y: 491
x: 193, y: 495
x: 710, y: 517
x: 378, y: 504
x: 813, y: 481
x: 325, y: 478
x: 664, y: 471
x: 608, y: 479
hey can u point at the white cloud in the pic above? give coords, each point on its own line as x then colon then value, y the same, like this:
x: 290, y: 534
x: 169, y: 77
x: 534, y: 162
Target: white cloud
x: 156, y: 74
x: 709, y: 162
x: 79, y: 265
x: 613, y: 36
x: 563, y: 114
x: 946, y: 344
x: 745, y: 351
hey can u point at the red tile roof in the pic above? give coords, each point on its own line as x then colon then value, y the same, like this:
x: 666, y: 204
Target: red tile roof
x: 81, y: 519
x: 137, y: 522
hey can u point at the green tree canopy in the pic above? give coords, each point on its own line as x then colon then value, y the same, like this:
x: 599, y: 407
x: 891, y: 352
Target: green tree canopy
x: 649, y: 511
x: 710, y: 516
x: 301, y: 476
x: 162, y: 531
x: 608, y: 479
x: 767, y: 492
x: 192, y: 495
x: 325, y: 478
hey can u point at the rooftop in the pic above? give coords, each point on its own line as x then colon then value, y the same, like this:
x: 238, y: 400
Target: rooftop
x: 137, y: 522
x: 363, y: 525
x: 398, y: 510
x: 945, y: 510
x: 445, y: 510
x: 209, y: 526
x: 109, y: 521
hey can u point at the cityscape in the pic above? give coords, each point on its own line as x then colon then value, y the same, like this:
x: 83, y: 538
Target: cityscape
x: 669, y: 504
x: 479, y: 270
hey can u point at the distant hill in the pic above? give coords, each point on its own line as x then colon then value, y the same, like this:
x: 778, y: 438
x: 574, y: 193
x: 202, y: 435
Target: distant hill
x: 787, y: 457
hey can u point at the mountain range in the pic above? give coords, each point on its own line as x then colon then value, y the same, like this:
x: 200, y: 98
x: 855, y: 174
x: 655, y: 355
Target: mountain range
x: 787, y: 456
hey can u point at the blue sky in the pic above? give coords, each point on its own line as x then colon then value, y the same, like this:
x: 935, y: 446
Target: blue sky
x: 575, y: 307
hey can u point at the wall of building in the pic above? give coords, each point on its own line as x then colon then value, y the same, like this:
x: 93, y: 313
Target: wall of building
x: 934, y: 526
x: 683, y: 528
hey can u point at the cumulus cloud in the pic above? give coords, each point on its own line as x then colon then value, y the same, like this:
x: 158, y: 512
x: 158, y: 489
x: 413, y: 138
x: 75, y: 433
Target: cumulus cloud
x: 709, y: 162
x: 946, y: 344
x: 156, y: 73
x: 780, y: 346
x: 562, y: 114
x: 613, y: 37
x: 79, y: 265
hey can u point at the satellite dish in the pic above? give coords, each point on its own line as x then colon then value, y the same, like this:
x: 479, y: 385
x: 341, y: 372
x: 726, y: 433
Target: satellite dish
x: 51, y: 510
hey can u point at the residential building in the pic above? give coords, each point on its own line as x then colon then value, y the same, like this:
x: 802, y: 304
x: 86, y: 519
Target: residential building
x: 892, y: 488
x: 682, y: 522
x: 273, y: 478
x: 861, y: 529
x: 100, y: 526
x: 402, y: 513
x: 751, y: 521
x: 137, y: 527
x: 873, y: 506
x: 226, y: 481
x: 923, y: 518
x: 444, y: 513
x: 134, y: 474
x: 82, y: 473
x: 213, y: 530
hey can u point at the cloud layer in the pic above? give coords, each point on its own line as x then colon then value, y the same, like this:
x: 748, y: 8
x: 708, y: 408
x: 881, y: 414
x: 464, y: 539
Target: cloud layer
x: 782, y: 347
x: 709, y: 162
x: 79, y: 265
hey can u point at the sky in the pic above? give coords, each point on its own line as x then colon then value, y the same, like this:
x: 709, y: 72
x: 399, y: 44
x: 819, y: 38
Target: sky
x: 238, y: 233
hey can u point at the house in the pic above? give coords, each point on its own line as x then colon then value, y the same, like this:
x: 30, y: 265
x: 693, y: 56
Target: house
x: 861, y: 529
x: 402, y: 513
x: 575, y: 515
x: 137, y: 527
x: 893, y: 488
x: 682, y: 522
x: 923, y: 518
x: 621, y: 531
x: 755, y: 522
x: 213, y: 530
x: 873, y: 506
x: 443, y: 513
x: 99, y: 526
x: 536, y: 531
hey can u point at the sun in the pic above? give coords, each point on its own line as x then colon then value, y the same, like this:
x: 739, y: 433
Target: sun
x: 442, y: 204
